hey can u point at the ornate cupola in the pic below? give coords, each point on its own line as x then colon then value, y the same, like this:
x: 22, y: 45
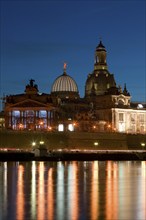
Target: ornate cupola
x: 100, y: 80
x: 100, y: 57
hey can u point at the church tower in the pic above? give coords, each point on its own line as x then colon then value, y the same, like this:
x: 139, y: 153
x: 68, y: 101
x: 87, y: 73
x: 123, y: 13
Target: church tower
x: 100, y: 57
x: 100, y: 80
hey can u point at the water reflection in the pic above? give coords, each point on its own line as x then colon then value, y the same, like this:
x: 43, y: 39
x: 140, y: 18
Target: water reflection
x: 20, y: 194
x: 73, y: 190
x: 95, y: 191
x: 50, y: 195
x: 41, y: 192
x: 112, y: 191
x: 33, y: 190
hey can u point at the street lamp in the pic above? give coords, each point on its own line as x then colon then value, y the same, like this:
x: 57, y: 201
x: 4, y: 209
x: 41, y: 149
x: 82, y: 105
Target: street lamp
x: 33, y: 143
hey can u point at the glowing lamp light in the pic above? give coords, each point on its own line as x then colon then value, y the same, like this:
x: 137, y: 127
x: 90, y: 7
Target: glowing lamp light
x: 139, y: 106
x: 20, y: 126
x: 95, y: 143
x: 142, y: 144
x: 33, y: 143
x: 49, y: 128
x: 41, y: 142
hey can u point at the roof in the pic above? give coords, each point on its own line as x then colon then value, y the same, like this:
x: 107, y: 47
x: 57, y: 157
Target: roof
x: 64, y: 83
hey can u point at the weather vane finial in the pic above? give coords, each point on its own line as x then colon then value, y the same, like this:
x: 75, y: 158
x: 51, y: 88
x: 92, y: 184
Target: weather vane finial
x: 64, y: 66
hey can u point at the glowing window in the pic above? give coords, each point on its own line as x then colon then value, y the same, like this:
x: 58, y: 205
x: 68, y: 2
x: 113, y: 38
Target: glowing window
x: 121, y: 117
x: 141, y: 117
x: 70, y: 127
x: 121, y: 127
x: 42, y: 114
x: 16, y: 113
x: 133, y: 117
x: 95, y: 86
x: 60, y: 127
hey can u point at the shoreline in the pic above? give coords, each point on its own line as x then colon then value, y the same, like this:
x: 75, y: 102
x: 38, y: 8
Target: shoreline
x: 23, y: 140
x: 75, y: 156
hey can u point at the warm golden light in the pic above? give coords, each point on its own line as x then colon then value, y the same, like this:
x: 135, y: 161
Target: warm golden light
x: 142, y: 144
x: 41, y: 192
x: 50, y: 195
x: 33, y: 143
x: 20, y: 126
x: 111, y: 210
x: 95, y: 191
x: 20, y: 193
x: 41, y: 123
x: 41, y: 142
x: 75, y: 190
x: 109, y: 126
x: 49, y: 128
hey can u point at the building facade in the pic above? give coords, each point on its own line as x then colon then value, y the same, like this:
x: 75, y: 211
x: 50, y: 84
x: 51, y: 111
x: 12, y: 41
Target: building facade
x: 105, y: 106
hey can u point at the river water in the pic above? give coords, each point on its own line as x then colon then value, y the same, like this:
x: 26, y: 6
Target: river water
x: 96, y: 190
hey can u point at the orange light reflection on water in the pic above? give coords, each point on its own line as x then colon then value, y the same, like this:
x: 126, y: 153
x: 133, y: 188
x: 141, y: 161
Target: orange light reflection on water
x: 41, y: 193
x: 20, y: 194
x: 73, y: 192
x: 50, y: 197
x: 111, y: 191
x: 60, y: 192
x: 94, y: 191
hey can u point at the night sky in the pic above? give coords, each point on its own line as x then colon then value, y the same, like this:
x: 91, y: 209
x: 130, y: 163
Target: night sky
x: 37, y: 37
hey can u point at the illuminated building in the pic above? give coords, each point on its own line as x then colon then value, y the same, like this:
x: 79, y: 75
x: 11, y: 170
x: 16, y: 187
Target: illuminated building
x: 30, y: 110
x: 2, y: 120
x: 105, y: 106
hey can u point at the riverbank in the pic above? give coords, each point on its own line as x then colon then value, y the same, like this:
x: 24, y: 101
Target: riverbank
x: 75, y: 156
x: 72, y: 140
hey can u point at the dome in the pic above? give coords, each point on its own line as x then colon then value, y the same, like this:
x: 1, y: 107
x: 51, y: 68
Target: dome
x: 64, y: 83
x: 99, y: 82
x: 65, y: 87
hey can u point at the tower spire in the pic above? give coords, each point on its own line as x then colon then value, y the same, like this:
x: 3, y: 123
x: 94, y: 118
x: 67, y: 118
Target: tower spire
x: 100, y: 56
x: 100, y: 39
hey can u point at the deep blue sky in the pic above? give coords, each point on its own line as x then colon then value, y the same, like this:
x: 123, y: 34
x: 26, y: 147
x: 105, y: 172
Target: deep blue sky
x: 37, y: 37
